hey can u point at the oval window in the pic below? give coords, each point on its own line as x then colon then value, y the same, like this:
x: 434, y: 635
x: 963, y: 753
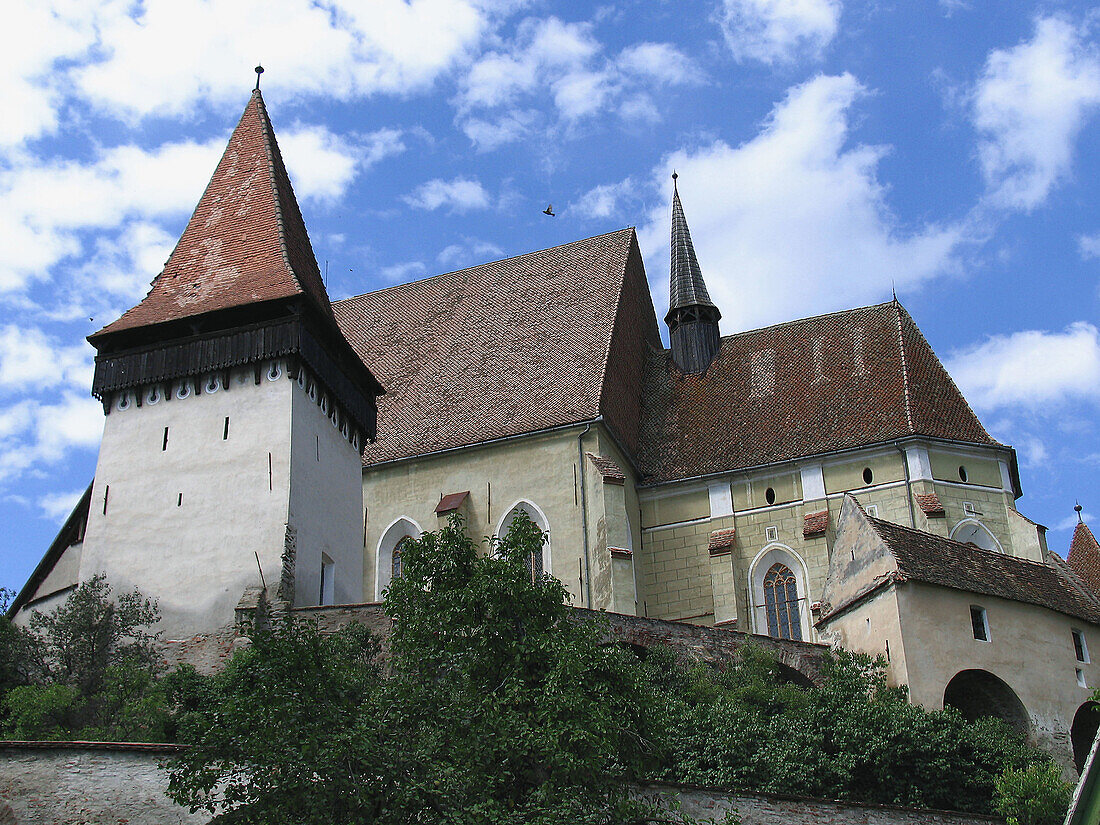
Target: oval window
x: 769, y: 496
x: 868, y: 476
x: 962, y: 472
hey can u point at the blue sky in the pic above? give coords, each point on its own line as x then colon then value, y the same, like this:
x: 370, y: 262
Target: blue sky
x: 828, y: 151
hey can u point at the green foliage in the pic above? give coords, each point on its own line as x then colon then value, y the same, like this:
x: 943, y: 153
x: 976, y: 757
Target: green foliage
x: 1035, y: 795
x: 495, y: 707
x: 852, y: 737
x: 86, y: 670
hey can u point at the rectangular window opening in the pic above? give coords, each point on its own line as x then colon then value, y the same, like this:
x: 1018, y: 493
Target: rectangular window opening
x: 872, y: 510
x: 328, y: 581
x: 1080, y: 678
x: 164, y: 444
x: 771, y: 533
x: 106, y: 495
x: 179, y: 500
x: 225, y: 430
x: 979, y: 623
x: 1080, y: 649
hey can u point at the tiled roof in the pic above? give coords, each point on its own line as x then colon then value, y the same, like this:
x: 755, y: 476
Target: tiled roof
x: 1084, y: 556
x: 814, y: 524
x: 544, y: 339
x: 611, y: 472
x: 930, y: 504
x: 860, y: 376
x: 722, y: 541
x: 246, y: 241
x: 933, y: 559
x: 451, y: 502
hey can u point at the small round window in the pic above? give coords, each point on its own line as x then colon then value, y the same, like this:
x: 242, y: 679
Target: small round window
x: 769, y: 496
x: 868, y: 476
x: 962, y: 472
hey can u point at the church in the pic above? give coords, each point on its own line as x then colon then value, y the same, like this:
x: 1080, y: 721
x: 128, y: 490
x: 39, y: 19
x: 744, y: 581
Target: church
x: 818, y: 481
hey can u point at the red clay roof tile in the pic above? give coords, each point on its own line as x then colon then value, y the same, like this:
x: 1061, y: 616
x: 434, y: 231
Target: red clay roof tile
x: 814, y: 524
x: 246, y: 241
x: 930, y: 504
x: 1084, y: 556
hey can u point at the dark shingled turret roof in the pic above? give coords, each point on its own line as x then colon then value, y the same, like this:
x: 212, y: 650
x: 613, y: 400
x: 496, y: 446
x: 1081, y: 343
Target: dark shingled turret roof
x: 1084, y: 556
x: 545, y: 339
x: 686, y: 286
x: 245, y: 243
x: 857, y: 377
x: 933, y: 559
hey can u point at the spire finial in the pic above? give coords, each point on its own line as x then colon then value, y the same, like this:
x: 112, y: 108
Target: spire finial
x: 1077, y: 509
x: 674, y: 176
x: 259, y: 71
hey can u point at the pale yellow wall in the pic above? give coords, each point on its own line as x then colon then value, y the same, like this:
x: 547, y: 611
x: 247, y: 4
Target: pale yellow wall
x: 1030, y: 649
x: 848, y: 475
x: 676, y: 507
x: 985, y: 472
x: 871, y: 627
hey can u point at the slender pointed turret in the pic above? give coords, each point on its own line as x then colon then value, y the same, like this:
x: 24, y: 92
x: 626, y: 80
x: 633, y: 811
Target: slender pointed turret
x: 692, y: 317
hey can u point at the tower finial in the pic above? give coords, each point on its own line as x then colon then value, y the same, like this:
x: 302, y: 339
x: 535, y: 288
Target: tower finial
x: 1077, y: 509
x: 259, y: 71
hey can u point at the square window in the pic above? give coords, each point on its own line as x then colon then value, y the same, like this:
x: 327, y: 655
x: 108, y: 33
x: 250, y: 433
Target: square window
x: 771, y: 533
x: 1080, y: 649
x: 979, y: 622
x: 871, y: 510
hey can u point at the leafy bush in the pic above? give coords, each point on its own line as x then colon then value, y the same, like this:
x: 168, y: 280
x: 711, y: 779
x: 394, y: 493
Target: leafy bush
x: 1035, y: 795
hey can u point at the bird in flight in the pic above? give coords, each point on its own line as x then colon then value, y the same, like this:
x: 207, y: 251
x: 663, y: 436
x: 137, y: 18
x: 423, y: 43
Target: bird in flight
x: 549, y: 210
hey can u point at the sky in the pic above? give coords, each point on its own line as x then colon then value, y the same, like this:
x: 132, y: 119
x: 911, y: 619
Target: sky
x: 828, y: 151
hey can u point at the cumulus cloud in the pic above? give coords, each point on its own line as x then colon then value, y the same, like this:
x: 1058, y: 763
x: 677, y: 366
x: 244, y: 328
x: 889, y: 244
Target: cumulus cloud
x: 30, y: 359
x: 603, y: 201
x: 471, y: 250
x: 1089, y: 246
x: 779, y: 31
x: 322, y: 164
x: 1031, y: 369
x: 57, y: 506
x: 400, y: 273
x: 457, y: 195
x: 565, y: 62
x: 1029, y: 105
x: 795, y: 221
x: 33, y: 433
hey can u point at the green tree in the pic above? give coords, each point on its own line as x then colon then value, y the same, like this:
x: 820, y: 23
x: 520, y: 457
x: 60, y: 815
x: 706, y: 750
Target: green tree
x: 1035, y: 795
x: 493, y: 706
x: 88, y: 670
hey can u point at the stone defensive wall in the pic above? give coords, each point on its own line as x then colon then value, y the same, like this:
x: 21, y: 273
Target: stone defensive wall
x: 110, y: 783
x: 800, y: 661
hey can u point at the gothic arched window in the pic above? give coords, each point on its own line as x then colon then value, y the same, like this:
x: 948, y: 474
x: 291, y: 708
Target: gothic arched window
x: 395, y: 558
x: 781, y: 603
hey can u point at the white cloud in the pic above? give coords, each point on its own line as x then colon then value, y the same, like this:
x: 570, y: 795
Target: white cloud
x: 400, y: 273
x: 779, y: 31
x: 57, y: 506
x: 602, y: 201
x: 581, y: 93
x: 487, y: 135
x: 1029, y: 106
x: 470, y: 251
x: 29, y: 359
x: 1030, y: 369
x: 1089, y: 246
x: 459, y: 195
x: 164, y: 57
x: 32, y: 433
x: 661, y: 62
x: 322, y: 165
x: 1070, y: 522
x: 795, y: 221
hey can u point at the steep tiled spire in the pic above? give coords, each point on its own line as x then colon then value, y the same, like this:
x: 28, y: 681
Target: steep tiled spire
x: 1084, y: 554
x: 246, y: 241
x: 692, y: 317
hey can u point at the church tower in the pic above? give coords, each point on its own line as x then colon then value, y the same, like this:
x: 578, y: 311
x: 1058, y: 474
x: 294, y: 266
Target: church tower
x: 236, y: 413
x: 692, y: 317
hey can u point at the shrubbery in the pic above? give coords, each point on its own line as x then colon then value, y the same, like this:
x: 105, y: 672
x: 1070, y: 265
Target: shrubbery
x: 494, y: 703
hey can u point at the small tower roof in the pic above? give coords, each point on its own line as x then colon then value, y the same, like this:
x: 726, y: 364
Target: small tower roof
x: 1084, y: 554
x: 245, y: 243
x: 686, y: 286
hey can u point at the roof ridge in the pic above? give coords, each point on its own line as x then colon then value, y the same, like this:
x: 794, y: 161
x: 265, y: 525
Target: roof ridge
x: 621, y: 287
x: 271, y: 147
x: 805, y: 320
x: 485, y: 263
x: 904, y: 368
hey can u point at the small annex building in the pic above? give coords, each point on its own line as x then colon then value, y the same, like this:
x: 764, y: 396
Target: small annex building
x: 709, y: 482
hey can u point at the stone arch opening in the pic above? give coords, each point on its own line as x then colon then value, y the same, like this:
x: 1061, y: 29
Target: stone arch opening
x: 1083, y: 731
x: 388, y: 560
x: 978, y: 694
x: 787, y: 675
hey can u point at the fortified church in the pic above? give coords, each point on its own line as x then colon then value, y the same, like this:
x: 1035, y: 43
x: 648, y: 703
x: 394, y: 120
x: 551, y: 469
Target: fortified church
x: 818, y: 481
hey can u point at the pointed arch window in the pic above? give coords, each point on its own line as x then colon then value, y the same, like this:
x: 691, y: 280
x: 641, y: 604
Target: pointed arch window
x: 395, y: 558
x: 781, y: 603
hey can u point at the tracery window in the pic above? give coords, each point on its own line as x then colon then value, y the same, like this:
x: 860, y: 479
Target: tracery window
x: 781, y: 603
